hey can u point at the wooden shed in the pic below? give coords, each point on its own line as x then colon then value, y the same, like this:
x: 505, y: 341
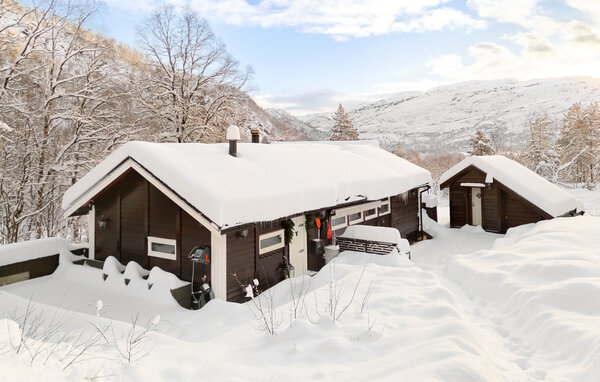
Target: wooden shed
x: 153, y: 202
x: 498, y: 193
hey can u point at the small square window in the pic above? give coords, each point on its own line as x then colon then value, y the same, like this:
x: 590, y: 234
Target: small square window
x: 370, y: 213
x: 384, y: 209
x: 355, y: 218
x: 271, y: 241
x: 163, y: 248
x: 338, y: 222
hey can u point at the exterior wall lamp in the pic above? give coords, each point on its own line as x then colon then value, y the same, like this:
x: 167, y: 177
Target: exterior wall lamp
x: 103, y: 222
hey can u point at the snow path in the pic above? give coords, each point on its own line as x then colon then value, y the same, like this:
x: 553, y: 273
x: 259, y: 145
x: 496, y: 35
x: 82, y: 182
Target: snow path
x: 433, y: 256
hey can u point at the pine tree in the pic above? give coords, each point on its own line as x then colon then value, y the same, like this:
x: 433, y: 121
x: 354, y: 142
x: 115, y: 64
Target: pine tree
x: 540, y: 153
x: 579, y: 144
x: 480, y: 144
x: 343, y: 128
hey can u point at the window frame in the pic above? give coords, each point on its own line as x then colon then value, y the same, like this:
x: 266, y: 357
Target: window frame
x: 355, y: 221
x: 383, y: 203
x: 165, y: 241
x: 272, y: 247
x: 340, y: 226
x: 372, y: 216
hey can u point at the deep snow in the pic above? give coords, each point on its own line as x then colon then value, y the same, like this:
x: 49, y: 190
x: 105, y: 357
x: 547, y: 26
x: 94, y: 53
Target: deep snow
x: 473, y: 306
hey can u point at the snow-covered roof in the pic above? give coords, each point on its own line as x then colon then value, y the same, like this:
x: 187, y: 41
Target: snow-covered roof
x: 537, y: 190
x: 265, y: 182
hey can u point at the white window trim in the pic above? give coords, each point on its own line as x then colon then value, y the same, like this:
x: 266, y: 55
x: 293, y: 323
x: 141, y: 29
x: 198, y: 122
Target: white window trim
x: 355, y: 221
x: 274, y: 246
x: 384, y: 202
x: 372, y: 216
x: 343, y: 225
x: 161, y: 240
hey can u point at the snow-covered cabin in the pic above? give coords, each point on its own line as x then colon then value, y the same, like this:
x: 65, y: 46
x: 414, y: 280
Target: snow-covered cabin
x: 153, y: 202
x: 498, y: 193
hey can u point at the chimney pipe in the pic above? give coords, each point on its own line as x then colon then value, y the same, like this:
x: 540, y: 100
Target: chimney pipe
x: 233, y: 135
x: 255, y: 135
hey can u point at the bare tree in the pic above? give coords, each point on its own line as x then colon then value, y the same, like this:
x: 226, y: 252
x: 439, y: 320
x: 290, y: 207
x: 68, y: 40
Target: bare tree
x: 191, y: 77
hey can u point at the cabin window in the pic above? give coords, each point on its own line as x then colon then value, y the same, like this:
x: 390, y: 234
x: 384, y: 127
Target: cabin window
x: 271, y: 241
x: 355, y: 218
x: 338, y: 222
x: 384, y: 209
x: 370, y: 213
x: 163, y: 248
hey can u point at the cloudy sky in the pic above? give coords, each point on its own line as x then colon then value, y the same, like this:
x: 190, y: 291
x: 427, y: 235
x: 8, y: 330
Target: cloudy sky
x: 309, y: 55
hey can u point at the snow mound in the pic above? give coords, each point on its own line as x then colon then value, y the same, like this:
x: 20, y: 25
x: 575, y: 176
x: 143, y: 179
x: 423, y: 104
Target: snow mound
x: 544, y: 282
x: 365, y: 232
x: 134, y: 271
x: 112, y: 267
x: 162, y: 279
x: 32, y: 249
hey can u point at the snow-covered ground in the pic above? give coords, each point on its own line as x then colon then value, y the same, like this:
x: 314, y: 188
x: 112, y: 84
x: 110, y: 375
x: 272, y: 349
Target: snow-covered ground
x: 471, y: 306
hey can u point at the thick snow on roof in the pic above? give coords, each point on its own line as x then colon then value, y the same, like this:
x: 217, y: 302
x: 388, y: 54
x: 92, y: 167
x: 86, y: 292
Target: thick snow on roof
x: 545, y: 195
x: 264, y: 182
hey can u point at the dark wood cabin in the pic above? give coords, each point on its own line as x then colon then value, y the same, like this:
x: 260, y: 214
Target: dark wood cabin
x: 133, y: 210
x: 478, y: 198
x: 134, y: 215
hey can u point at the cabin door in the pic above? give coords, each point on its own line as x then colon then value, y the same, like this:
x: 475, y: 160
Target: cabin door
x: 298, y: 250
x: 476, y: 205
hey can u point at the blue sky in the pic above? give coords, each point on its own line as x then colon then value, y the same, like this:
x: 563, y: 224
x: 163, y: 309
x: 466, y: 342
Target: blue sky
x: 309, y: 55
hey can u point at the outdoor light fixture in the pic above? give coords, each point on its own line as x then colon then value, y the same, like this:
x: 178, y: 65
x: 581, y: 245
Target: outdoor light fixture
x: 242, y: 234
x: 103, y: 222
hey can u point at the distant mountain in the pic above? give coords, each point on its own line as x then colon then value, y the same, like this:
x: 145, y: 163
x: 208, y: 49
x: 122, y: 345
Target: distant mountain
x: 445, y: 117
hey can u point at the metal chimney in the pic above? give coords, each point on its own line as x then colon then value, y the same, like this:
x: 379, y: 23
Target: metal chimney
x: 255, y: 135
x: 233, y: 135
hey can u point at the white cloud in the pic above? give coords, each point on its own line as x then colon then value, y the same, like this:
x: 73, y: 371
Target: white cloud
x: 340, y: 19
x: 547, y: 46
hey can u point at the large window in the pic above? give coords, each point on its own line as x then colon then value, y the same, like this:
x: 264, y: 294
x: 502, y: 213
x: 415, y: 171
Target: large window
x: 270, y: 241
x: 163, y: 248
x: 370, y: 213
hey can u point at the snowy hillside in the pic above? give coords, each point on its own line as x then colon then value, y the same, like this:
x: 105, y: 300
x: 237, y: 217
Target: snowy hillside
x: 443, y: 118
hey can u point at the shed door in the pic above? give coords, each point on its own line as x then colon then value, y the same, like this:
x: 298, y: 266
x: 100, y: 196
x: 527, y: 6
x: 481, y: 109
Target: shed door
x: 298, y: 251
x: 476, y: 204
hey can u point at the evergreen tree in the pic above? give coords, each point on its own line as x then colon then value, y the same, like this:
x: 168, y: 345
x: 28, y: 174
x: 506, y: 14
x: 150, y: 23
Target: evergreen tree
x: 540, y: 153
x: 481, y: 145
x: 579, y: 143
x: 343, y: 128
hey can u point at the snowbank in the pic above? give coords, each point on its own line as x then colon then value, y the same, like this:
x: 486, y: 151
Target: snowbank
x: 543, y: 282
x: 264, y: 182
x: 534, y: 188
x: 33, y: 249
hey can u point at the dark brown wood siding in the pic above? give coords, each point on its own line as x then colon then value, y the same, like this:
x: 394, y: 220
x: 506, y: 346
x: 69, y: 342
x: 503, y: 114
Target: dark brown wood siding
x: 134, y: 211
x: 405, y: 214
x: 268, y: 265
x: 163, y: 222
x: 458, y: 205
x: 240, y: 262
x: 516, y: 212
x: 107, y: 240
x: 490, y: 208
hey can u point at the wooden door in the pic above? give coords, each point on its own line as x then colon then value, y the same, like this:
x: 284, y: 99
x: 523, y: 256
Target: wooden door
x: 298, y: 250
x: 476, y: 205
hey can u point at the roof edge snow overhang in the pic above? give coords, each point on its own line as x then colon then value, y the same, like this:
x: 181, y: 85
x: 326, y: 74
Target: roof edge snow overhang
x: 130, y: 163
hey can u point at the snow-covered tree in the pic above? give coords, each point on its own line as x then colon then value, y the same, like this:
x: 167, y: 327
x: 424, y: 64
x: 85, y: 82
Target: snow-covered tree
x: 540, y: 154
x: 343, y: 128
x: 191, y: 79
x: 579, y: 144
x: 480, y: 144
